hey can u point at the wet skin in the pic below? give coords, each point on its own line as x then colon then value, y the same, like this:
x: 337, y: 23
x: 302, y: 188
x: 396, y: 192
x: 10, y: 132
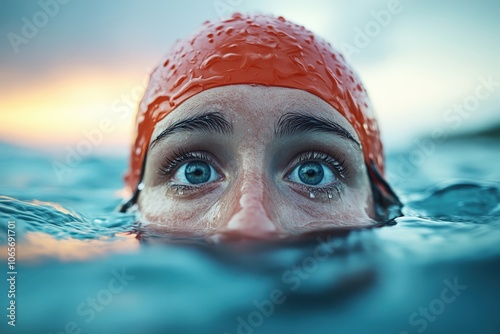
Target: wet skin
x: 254, y: 161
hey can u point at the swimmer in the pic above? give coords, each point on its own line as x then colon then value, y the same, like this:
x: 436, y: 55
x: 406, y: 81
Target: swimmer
x: 256, y: 128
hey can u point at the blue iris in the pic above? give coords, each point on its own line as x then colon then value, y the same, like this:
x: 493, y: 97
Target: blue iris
x: 311, y: 173
x: 197, y: 172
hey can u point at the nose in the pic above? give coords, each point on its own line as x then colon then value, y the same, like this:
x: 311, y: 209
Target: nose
x: 249, y: 217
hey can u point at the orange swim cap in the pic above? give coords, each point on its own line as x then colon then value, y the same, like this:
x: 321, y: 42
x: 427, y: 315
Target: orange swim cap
x: 257, y: 49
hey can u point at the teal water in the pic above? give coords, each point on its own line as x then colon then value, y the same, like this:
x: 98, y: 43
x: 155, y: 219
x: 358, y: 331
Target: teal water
x: 83, y: 268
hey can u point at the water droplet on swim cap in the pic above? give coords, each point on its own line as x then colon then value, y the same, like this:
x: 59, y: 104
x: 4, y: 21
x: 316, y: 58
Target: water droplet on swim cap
x: 254, y: 49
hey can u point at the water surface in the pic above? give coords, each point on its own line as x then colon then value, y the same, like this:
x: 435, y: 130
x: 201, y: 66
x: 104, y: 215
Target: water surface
x: 82, y: 268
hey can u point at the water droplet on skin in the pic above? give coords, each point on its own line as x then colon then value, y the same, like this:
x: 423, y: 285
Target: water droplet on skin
x: 330, y: 196
x: 311, y: 195
x: 181, y: 192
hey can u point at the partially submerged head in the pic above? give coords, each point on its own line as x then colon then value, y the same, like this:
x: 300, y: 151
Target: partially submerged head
x: 256, y: 127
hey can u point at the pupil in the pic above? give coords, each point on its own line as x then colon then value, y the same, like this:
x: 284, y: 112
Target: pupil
x: 311, y: 173
x: 197, y: 172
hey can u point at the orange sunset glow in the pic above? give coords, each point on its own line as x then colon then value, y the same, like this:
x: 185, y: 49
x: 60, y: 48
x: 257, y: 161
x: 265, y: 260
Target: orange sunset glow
x: 69, y: 107
x: 74, y: 73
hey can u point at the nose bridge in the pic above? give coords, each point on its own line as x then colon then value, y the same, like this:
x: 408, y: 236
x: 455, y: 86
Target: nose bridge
x: 251, y: 183
x: 250, y: 212
x: 252, y: 186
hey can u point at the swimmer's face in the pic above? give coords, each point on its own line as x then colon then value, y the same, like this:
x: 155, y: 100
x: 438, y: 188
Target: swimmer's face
x: 254, y: 161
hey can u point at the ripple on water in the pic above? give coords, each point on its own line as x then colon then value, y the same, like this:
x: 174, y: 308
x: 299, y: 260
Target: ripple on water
x: 348, y: 281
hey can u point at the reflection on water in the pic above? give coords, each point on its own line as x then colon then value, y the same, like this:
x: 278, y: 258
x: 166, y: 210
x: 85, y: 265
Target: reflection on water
x: 81, y: 266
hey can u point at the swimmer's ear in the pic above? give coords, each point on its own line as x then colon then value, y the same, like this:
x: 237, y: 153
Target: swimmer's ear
x: 387, y: 204
x: 127, y: 204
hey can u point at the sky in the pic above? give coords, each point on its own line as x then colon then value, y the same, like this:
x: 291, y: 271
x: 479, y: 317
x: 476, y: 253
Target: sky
x: 73, y: 71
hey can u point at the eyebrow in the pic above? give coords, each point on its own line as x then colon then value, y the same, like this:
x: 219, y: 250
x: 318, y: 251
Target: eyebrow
x: 295, y: 123
x: 211, y: 122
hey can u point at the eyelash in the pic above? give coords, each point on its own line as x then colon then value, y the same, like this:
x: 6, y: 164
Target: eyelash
x: 180, y: 156
x: 336, y: 162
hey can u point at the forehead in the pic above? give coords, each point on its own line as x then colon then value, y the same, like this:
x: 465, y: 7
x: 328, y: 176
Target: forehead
x: 253, y: 106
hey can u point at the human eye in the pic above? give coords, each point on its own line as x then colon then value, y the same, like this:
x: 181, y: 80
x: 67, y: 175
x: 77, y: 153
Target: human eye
x: 188, y: 172
x: 318, y: 174
x: 195, y: 172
